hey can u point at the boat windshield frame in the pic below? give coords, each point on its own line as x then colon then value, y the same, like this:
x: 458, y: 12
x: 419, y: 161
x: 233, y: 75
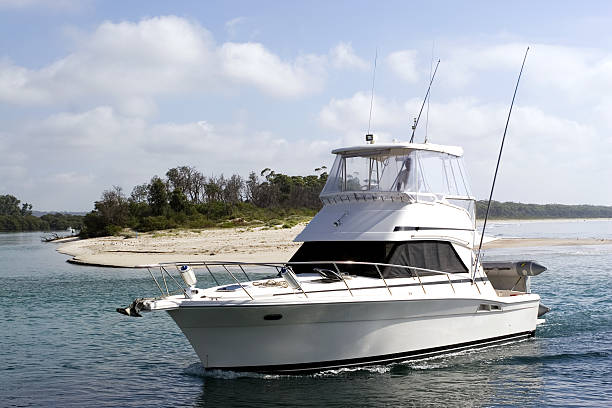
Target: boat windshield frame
x: 412, y: 171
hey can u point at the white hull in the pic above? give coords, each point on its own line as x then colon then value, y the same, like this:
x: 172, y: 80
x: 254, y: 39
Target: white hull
x: 387, y: 272
x: 315, y: 336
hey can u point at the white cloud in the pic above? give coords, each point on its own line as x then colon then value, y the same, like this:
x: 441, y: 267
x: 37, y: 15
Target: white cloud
x: 156, y: 57
x: 541, y: 156
x: 252, y: 64
x: 71, y: 179
x: 163, y: 55
x: 232, y: 25
x: 343, y: 57
x: 15, y: 85
x: 558, y: 70
x: 118, y: 73
x: 404, y: 65
x: 350, y: 116
x: 94, y: 131
x: 78, y: 155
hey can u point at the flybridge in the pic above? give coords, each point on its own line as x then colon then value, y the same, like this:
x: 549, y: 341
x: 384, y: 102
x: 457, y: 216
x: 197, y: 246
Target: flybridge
x: 427, y: 171
x: 396, y: 192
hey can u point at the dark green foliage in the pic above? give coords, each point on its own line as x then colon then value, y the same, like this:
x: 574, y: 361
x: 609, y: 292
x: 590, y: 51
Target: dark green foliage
x: 178, y: 201
x: 187, y: 199
x: 94, y: 225
x: 109, y: 216
x: 60, y: 222
x: 187, y: 179
x: 158, y: 196
x: 511, y: 210
x: 113, y: 206
x: 155, y: 223
x: 9, y: 205
x: 26, y: 209
x: 15, y: 216
x: 10, y: 223
x: 280, y: 190
x: 215, y: 210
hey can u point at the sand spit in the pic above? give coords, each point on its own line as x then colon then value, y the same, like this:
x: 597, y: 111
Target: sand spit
x: 228, y: 244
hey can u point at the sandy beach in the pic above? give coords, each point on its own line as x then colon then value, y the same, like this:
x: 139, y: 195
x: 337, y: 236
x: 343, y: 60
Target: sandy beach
x: 228, y: 244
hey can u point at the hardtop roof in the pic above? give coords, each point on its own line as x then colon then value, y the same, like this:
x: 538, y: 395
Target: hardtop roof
x: 399, y: 148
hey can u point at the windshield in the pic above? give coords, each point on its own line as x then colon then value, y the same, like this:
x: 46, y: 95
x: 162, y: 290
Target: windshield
x: 416, y: 171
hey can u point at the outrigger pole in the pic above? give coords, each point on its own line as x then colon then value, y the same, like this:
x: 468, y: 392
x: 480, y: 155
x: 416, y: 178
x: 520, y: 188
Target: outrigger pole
x: 501, y: 148
x: 416, y: 121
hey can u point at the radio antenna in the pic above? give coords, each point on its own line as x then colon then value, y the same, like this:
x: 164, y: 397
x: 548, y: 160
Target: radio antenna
x: 416, y: 120
x: 433, y: 44
x: 501, y: 148
x: 372, y: 97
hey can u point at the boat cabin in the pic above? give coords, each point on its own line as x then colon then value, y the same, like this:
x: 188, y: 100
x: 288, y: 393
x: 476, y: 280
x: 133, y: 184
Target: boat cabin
x: 401, y: 203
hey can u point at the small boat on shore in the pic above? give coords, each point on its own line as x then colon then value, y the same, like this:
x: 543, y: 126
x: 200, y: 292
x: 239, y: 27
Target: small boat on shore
x: 387, y: 272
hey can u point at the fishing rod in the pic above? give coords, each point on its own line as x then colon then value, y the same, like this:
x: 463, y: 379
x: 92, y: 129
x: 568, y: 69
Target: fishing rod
x: 416, y: 121
x: 501, y: 148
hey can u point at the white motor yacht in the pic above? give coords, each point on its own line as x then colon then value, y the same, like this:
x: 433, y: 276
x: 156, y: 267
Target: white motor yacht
x: 387, y: 272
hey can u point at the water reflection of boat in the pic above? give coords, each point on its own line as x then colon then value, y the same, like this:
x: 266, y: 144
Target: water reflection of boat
x: 386, y: 272
x: 473, y: 379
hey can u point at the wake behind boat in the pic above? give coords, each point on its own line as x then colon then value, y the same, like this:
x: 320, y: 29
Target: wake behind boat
x: 387, y: 272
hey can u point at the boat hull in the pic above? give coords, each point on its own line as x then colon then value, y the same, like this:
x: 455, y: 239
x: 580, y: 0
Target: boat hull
x: 314, y: 336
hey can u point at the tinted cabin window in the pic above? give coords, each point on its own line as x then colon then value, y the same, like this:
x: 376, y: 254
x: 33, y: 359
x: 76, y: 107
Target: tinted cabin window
x: 357, y: 251
x: 435, y: 255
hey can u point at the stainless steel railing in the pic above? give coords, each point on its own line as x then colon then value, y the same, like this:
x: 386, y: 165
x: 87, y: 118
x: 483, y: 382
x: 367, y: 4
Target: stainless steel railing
x: 166, y: 276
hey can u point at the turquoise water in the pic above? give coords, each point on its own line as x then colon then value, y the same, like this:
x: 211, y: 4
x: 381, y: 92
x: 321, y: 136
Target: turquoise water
x: 63, y: 344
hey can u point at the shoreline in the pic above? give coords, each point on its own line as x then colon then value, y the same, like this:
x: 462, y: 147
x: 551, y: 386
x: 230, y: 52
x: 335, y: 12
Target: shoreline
x: 257, y: 245
x: 543, y: 242
x: 530, y: 220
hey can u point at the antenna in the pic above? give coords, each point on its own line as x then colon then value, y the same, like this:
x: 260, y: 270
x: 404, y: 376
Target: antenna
x: 416, y: 120
x: 501, y: 148
x: 433, y: 44
x: 372, y: 97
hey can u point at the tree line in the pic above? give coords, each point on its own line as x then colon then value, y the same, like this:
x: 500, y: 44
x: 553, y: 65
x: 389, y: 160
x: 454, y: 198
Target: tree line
x: 184, y: 197
x: 511, y: 210
x: 15, y: 216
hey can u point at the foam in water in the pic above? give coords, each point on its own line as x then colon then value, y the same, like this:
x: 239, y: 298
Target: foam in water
x: 427, y: 363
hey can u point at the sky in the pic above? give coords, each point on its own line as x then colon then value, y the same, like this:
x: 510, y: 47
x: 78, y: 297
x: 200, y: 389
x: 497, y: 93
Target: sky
x: 101, y: 93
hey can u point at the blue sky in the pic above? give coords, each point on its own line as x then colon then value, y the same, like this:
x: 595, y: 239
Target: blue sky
x: 95, y: 94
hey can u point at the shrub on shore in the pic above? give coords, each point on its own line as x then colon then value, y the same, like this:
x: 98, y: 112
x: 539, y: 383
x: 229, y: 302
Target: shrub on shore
x: 187, y: 199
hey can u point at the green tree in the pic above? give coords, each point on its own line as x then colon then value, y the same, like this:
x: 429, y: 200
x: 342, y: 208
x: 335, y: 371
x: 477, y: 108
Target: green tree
x: 189, y: 180
x: 26, y: 209
x: 9, y: 205
x: 110, y: 214
x: 178, y: 201
x: 158, y: 196
x: 113, y: 207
